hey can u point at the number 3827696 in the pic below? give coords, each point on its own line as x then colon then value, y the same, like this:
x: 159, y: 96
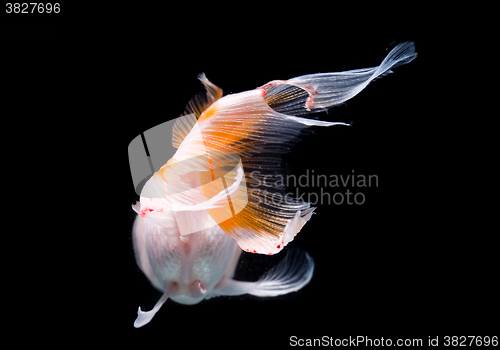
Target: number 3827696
x: 470, y: 340
x: 32, y: 7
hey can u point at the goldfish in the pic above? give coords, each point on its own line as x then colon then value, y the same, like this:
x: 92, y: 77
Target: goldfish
x: 206, y: 205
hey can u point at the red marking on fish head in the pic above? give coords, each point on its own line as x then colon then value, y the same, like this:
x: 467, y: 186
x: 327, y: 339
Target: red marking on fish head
x: 263, y: 92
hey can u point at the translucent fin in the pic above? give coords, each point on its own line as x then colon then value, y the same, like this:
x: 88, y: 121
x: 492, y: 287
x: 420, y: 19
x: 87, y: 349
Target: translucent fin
x: 143, y: 317
x: 286, y: 99
x: 329, y: 89
x: 194, y: 109
x: 290, y: 275
x: 202, y: 101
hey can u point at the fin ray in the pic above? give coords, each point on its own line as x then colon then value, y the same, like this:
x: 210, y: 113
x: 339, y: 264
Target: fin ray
x: 330, y: 89
x: 291, y: 274
x: 194, y: 109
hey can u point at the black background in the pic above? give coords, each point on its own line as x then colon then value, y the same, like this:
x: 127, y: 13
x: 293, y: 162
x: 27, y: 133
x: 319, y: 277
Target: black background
x: 395, y: 263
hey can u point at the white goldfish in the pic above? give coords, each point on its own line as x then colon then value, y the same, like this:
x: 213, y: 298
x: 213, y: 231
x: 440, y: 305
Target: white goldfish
x: 196, y: 214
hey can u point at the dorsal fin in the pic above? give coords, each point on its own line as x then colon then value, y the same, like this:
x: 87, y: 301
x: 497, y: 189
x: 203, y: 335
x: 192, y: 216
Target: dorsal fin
x: 202, y: 101
x: 194, y: 109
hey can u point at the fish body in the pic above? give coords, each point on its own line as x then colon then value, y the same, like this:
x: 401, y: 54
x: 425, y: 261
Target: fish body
x: 189, y: 270
x: 207, y: 205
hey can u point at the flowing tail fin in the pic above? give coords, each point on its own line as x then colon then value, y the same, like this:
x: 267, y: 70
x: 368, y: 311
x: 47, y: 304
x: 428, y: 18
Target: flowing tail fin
x: 290, y: 275
x: 321, y: 91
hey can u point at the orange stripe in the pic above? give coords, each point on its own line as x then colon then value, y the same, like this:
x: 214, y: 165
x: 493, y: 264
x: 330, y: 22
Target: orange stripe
x: 209, y: 161
x: 228, y: 196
